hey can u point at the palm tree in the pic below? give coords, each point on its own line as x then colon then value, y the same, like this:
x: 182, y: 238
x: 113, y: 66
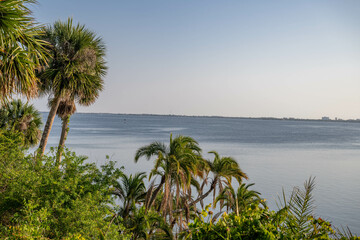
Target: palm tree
x: 241, y: 199
x: 131, y: 191
x: 23, y: 118
x: 176, y: 164
x: 223, y: 170
x: 75, y: 71
x: 22, y: 52
x: 145, y: 224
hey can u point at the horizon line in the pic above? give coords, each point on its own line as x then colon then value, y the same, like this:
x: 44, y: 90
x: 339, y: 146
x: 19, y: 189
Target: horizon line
x: 218, y: 116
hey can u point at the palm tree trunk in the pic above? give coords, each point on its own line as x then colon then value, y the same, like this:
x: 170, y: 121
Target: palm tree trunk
x: 64, y: 132
x: 153, y: 197
x: 237, y: 206
x: 126, y: 209
x: 48, y: 126
x: 165, y: 204
x: 200, y: 198
x: 212, y: 187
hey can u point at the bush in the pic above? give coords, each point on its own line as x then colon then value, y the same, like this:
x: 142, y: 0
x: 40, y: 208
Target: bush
x: 254, y: 222
x: 39, y: 199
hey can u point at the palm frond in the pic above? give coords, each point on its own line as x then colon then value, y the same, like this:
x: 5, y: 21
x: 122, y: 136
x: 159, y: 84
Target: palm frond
x: 301, y: 205
x: 22, y: 52
x: 150, y: 150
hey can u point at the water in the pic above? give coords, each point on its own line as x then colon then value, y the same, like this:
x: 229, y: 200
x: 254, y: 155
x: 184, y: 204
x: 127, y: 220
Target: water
x: 275, y: 154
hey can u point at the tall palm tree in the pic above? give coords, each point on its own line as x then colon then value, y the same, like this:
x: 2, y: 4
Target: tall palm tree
x: 76, y: 68
x: 131, y: 191
x: 176, y: 164
x: 22, y: 52
x: 241, y: 199
x: 23, y: 118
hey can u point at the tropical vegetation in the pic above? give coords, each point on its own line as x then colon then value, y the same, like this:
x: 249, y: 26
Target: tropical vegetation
x: 23, y: 118
x: 41, y: 198
x: 60, y: 196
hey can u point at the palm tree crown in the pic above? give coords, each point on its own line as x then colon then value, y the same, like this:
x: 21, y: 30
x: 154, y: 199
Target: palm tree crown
x: 240, y: 199
x: 77, y: 65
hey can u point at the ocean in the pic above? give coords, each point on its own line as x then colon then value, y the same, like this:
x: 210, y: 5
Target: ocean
x: 276, y: 154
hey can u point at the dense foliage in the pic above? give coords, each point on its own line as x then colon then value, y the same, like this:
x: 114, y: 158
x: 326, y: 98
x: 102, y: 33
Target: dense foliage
x: 24, y: 118
x: 21, y: 50
x: 40, y: 199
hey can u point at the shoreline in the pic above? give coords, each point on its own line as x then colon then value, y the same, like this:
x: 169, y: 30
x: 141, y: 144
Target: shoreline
x: 215, y: 116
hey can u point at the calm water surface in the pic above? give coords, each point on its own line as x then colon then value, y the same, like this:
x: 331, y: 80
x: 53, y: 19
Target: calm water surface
x: 276, y: 154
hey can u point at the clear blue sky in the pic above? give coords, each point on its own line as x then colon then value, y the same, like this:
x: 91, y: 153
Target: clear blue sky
x: 231, y: 58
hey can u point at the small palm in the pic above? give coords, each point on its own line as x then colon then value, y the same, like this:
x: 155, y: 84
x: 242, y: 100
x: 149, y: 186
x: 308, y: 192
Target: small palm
x: 238, y: 200
x: 23, y: 118
x: 131, y: 190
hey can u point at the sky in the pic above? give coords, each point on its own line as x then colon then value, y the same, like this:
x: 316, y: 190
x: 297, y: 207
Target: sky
x: 226, y: 58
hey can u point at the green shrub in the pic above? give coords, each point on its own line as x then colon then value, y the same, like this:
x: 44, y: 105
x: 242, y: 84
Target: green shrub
x: 254, y: 222
x: 39, y: 199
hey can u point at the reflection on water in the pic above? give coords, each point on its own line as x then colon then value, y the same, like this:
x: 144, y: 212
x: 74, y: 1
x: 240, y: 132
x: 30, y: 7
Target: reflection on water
x: 275, y: 154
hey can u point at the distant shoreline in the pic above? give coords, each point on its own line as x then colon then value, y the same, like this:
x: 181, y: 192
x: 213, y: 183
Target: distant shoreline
x: 252, y: 118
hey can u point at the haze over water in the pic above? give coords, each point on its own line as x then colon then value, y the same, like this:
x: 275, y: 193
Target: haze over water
x: 275, y: 154
x: 227, y: 58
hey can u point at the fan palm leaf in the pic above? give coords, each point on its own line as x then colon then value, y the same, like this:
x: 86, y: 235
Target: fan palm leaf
x: 22, y: 52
